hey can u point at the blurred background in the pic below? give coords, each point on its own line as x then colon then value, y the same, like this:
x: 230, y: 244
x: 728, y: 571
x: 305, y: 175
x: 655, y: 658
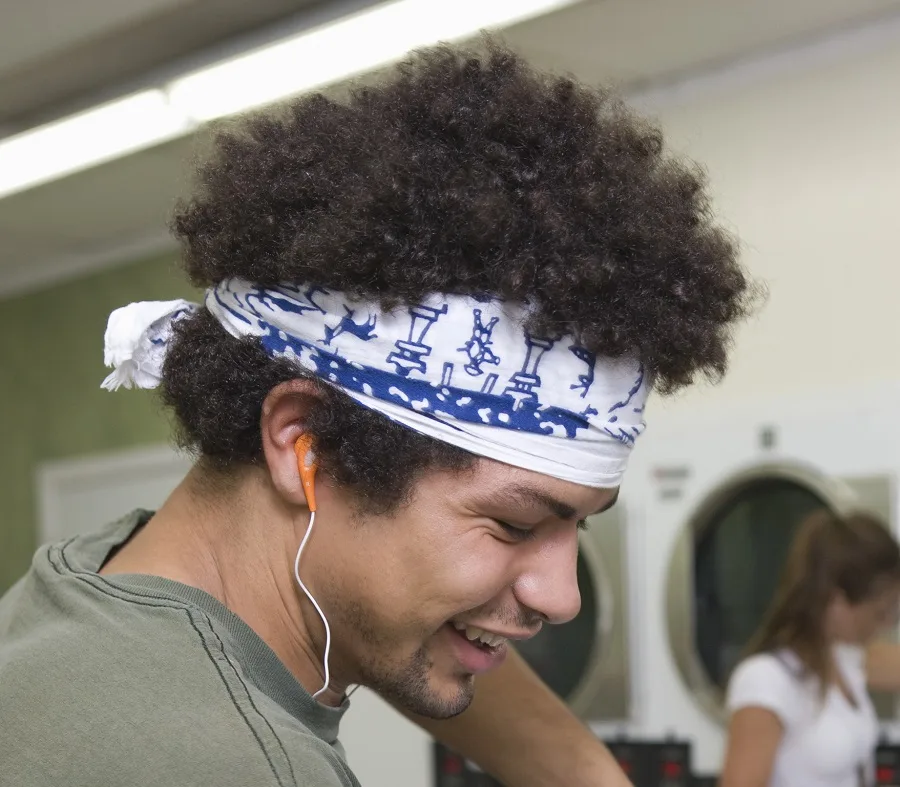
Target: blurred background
x: 791, y: 106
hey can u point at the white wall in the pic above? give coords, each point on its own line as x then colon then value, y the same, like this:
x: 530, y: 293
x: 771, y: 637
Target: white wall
x: 806, y: 168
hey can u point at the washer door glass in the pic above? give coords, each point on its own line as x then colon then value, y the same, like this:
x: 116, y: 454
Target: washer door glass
x: 562, y: 654
x: 738, y: 557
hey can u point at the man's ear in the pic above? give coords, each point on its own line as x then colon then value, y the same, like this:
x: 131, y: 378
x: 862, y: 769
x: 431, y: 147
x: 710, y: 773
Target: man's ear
x: 285, y: 413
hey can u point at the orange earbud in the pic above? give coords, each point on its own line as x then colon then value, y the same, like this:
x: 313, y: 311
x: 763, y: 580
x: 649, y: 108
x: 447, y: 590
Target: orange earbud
x: 306, y: 464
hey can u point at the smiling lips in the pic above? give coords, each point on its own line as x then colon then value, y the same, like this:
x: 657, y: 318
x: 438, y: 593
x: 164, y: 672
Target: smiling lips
x: 475, y: 634
x: 478, y: 650
x: 491, y: 639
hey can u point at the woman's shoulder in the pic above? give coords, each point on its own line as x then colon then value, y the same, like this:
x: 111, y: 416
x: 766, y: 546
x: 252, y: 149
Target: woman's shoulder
x: 772, y: 680
x: 781, y: 663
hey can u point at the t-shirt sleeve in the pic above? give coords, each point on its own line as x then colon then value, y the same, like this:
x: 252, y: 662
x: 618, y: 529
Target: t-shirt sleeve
x: 764, y: 682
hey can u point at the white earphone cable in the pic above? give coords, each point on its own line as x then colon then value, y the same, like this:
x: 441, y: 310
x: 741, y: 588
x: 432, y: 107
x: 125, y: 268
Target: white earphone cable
x: 312, y: 521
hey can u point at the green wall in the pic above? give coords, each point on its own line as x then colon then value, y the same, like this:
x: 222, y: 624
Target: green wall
x: 51, y: 403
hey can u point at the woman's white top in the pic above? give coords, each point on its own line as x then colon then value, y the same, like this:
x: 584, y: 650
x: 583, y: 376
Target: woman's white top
x: 826, y: 739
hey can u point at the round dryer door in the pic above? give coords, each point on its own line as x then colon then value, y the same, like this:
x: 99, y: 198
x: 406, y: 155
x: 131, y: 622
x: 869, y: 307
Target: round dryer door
x: 584, y: 661
x: 728, y: 563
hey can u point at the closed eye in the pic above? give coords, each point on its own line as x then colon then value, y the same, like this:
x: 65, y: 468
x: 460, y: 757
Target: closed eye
x: 518, y: 533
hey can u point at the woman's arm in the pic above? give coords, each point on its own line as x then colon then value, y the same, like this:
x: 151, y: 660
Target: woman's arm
x: 754, y: 735
x: 883, y: 666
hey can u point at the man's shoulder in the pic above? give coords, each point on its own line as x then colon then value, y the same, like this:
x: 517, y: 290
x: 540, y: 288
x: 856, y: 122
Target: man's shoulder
x: 81, y: 754
x: 151, y: 723
x: 79, y: 634
x: 91, y: 681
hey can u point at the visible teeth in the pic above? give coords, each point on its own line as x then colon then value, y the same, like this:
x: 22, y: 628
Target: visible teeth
x: 474, y: 633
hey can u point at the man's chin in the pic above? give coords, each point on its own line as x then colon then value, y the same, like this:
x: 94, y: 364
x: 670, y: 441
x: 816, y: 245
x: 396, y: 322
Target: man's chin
x: 447, y: 713
x: 437, y: 709
x: 435, y: 702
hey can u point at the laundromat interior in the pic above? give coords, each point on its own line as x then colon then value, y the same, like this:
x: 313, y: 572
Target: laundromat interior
x: 792, y: 109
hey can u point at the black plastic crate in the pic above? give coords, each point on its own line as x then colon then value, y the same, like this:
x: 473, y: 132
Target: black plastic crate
x: 665, y: 763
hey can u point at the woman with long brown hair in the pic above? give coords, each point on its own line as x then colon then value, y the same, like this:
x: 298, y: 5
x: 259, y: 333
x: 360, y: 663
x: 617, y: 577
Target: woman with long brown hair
x: 800, y: 714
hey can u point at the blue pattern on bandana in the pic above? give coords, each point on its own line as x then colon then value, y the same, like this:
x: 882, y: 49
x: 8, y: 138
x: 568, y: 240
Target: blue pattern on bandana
x: 406, y: 372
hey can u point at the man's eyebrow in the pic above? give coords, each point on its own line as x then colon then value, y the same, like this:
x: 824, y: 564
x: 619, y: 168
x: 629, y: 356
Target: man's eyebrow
x: 518, y: 494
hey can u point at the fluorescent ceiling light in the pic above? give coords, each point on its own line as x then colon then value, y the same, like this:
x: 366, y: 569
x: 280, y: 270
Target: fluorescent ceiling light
x: 351, y: 46
x: 348, y: 47
x: 89, y: 138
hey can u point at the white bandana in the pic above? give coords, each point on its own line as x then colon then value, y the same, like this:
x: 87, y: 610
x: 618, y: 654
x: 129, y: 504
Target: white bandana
x: 460, y: 369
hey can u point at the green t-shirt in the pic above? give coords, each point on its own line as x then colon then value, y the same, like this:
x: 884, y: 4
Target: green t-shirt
x: 108, y: 681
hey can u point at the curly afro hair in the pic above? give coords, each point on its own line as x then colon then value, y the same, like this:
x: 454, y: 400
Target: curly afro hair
x: 464, y: 172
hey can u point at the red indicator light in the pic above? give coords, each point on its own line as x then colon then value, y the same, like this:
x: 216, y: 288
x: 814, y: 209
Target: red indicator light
x: 671, y: 770
x: 452, y: 765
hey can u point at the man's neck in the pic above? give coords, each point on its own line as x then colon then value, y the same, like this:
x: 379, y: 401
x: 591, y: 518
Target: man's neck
x: 219, y: 547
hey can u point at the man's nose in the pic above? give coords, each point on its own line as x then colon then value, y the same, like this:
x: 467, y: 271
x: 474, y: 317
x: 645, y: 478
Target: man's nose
x: 548, y: 581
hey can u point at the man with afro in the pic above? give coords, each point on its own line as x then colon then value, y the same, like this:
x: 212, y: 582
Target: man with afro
x: 432, y: 316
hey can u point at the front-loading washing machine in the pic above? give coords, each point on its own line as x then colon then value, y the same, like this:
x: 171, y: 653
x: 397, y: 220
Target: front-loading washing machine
x: 727, y: 562
x: 720, y: 498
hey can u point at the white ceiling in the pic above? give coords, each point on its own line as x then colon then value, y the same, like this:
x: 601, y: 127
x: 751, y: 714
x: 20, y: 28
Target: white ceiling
x: 40, y: 28
x: 102, y: 215
x: 60, y: 53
